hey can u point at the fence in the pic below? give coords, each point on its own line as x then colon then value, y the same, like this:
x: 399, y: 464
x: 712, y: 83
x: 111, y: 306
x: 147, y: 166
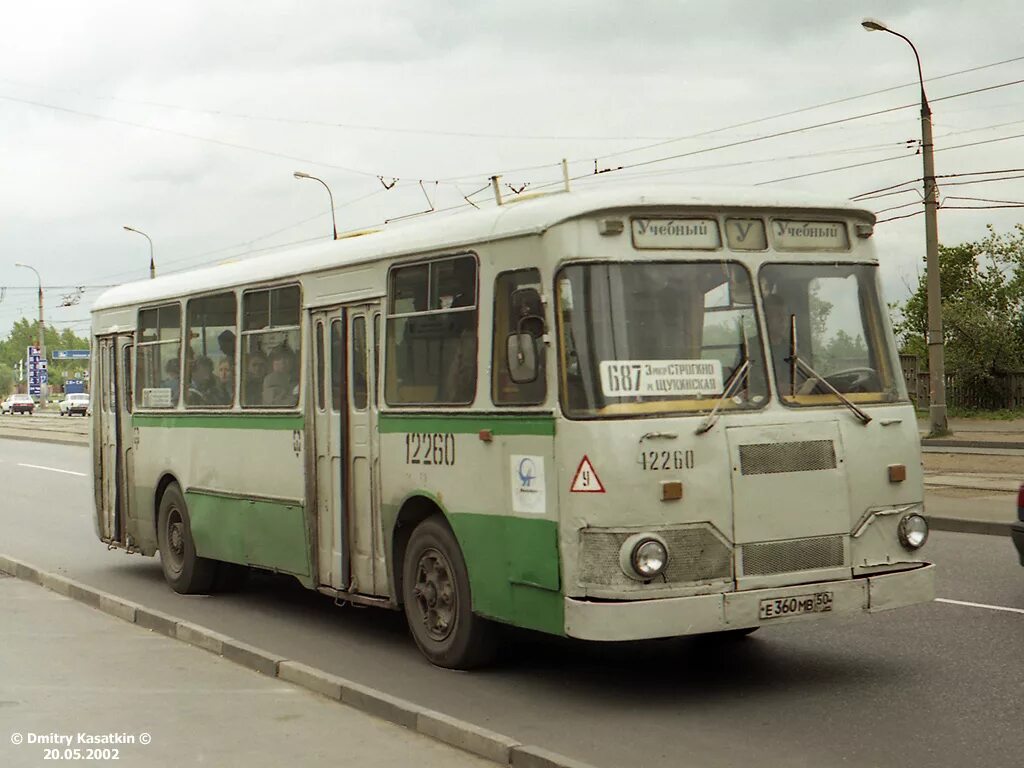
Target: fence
x: 1005, y: 390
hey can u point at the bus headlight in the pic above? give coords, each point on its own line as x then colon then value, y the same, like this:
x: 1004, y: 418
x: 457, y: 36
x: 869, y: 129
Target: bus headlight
x: 913, y: 531
x: 649, y: 558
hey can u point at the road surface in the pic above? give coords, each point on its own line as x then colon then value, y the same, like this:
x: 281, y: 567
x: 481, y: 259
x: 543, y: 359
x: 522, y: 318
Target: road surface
x: 932, y: 685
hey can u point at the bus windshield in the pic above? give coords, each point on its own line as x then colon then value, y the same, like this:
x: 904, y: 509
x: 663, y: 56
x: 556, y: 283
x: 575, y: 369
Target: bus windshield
x: 841, y: 340
x: 658, y: 337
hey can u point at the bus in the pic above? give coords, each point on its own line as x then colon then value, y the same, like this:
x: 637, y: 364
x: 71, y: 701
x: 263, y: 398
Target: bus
x: 611, y: 415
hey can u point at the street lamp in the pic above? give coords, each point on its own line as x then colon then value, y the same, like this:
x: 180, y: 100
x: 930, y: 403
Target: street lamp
x: 936, y: 354
x: 304, y: 175
x: 152, y: 264
x: 41, y: 337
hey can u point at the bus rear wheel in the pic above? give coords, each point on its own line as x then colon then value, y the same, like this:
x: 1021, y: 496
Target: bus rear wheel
x: 438, y: 602
x: 184, y: 570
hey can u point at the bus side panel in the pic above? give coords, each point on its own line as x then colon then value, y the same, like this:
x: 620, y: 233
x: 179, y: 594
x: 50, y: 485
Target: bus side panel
x: 512, y: 556
x: 243, y: 480
x: 248, y: 531
x: 513, y: 569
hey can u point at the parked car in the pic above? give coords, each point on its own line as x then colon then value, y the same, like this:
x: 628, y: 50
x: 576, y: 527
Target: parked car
x: 76, y: 402
x: 18, y: 404
x: 1017, y: 528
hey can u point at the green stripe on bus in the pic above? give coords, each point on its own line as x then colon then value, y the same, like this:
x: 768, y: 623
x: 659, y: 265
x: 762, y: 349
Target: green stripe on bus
x: 468, y: 423
x: 220, y: 420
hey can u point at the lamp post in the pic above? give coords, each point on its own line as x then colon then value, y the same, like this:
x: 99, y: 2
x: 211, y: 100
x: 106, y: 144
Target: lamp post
x: 304, y: 175
x: 41, y: 336
x: 152, y: 264
x: 936, y: 352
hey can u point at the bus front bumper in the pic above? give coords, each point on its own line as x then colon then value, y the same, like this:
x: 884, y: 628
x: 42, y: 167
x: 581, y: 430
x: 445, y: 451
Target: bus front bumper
x: 676, y: 616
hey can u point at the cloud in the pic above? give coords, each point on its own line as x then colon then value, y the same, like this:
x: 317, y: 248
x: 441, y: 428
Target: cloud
x: 598, y: 69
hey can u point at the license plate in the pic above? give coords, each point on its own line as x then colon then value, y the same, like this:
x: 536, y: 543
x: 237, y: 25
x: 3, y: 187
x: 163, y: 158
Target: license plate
x: 777, y: 607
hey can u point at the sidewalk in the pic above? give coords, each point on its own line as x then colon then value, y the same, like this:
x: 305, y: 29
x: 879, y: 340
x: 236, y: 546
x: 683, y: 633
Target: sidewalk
x: 980, y: 433
x: 68, y: 669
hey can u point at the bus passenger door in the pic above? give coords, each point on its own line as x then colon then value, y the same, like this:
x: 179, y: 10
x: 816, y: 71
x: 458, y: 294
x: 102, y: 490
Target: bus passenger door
x: 329, y: 408
x: 114, y: 435
x: 369, y: 574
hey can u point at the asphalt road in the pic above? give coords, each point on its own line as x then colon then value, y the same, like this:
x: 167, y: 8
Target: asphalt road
x: 932, y: 685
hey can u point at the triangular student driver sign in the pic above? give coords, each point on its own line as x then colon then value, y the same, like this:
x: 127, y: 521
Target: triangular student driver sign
x: 586, y: 479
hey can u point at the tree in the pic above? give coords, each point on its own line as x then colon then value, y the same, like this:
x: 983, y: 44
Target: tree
x: 23, y: 335
x: 982, y: 311
x: 6, y: 380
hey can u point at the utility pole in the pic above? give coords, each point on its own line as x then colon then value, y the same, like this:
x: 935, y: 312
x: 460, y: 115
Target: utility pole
x: 936, y: 350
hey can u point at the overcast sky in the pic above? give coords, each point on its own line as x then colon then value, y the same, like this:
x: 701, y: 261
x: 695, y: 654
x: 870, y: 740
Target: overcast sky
x: 187, y: 119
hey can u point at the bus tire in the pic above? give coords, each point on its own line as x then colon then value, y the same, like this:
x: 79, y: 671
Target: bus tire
x: 184, y: 570
x: 438, y: 602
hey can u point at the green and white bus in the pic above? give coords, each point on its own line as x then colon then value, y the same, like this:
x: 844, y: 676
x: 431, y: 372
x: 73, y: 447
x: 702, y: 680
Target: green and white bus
x: 608, y: 415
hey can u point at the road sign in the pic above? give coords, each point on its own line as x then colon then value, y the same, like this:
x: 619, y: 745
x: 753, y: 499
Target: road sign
x: 35, y: 369
x: 71, y: 354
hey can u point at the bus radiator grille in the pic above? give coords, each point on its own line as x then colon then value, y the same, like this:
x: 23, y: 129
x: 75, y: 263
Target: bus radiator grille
x: 773, y: 557
x: 773, y: 458
x: 695, y: 555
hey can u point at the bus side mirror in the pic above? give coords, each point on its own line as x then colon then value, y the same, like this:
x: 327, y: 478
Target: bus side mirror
x: 521, y: 357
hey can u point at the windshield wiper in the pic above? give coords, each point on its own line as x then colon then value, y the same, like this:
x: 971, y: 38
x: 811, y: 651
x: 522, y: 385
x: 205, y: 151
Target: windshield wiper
x: 796, y: 362
x: 740, y: 374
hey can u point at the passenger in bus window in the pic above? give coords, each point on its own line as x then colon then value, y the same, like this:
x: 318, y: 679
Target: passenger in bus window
x: 204, y: 389
x: 173, y: 380
x: 224, y: 373
x: 226, y: 342
x: 279, y: 386
x: 256, y: 370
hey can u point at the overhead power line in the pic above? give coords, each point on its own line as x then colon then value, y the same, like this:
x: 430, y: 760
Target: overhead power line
x: 888, y: 159
x: 790, y: 132
x: 195, y: 137
x: 491, y: 135
x: 813, y: 107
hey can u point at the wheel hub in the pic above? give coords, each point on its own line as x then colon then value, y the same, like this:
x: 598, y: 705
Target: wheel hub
x: 175, y: 541
x: 434, y: 592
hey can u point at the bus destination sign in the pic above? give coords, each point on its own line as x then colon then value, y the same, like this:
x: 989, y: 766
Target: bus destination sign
x: 676, y: 234
x: 792, y: 235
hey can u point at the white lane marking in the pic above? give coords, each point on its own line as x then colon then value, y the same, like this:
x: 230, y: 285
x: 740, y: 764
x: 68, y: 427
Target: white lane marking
x: 53, y: 469
x: 979, y: 605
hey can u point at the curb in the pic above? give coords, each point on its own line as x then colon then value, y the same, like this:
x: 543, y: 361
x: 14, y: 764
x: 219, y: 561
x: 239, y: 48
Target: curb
x: 943, y: 443
x: 460, y: 734
x: 956, y: 525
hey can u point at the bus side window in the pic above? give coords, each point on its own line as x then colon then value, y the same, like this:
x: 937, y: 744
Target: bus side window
x: 158, y: 357
x: 431, y: 342
x: 337, y: 365
x: 210, y: 358
x: 320, y: 367
x: 358, y: 348
x: 517, y: 310
x: 128, y: 378
x: 271, y: 355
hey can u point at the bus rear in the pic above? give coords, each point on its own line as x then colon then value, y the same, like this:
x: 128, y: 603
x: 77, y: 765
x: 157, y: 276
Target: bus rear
x: 737, y: 447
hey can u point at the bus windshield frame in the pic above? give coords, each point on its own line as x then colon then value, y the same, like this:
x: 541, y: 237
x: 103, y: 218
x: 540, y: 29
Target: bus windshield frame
x: 650, y: 338
x: 826, y: 319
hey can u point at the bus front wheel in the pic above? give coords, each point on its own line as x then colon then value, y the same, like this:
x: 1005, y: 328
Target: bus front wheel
x: 438, y: 603
x: 184, y: 570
